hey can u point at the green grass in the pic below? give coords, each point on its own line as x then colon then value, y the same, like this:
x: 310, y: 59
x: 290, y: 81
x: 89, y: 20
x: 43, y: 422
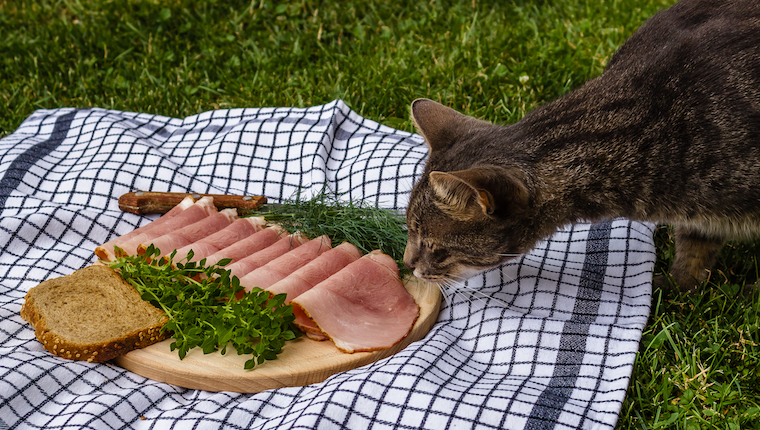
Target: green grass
x: 698, y: 363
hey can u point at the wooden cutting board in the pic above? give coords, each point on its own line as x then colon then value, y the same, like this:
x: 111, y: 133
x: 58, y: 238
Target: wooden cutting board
x: 302, y: 361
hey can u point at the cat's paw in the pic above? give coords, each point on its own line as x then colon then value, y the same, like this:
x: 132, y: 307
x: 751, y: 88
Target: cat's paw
x: 670, y: 282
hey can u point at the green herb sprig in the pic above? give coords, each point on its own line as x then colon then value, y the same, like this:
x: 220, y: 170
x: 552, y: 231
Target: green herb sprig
x: 202, y: 307
x: 365, y: 226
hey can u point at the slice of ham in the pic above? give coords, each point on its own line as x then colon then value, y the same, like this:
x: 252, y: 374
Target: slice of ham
x: 190, y: 233
x: 248, y: 246
x: 105, y: 251
x: 202, y: 208
x: 284, y: 265
x: 240, y: 229
x: 245, y: 265
x: 375, y: 310
x: 315, y: 271
x: 308, y: 326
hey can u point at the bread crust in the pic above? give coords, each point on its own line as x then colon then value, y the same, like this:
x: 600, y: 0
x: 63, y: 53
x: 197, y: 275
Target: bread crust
x: 41, y: 302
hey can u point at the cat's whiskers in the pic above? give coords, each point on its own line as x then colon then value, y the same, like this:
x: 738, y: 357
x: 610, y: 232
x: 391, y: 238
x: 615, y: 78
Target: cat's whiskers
x: 440, y: 288
x: 443, y: 287
x: 443, y: 284
x: 510, y: 255
x: 460, y: 287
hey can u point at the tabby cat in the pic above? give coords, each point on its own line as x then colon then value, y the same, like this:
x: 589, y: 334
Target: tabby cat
x: 670, y: 133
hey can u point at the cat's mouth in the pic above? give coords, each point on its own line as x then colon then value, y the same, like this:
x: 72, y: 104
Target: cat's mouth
x: 451, y: 277
x: 436, y: 279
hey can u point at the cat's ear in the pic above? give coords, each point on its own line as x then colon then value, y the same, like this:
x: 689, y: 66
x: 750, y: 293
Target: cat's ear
x: 459, y: 198
x: 479, y: 191
x: 441, y: 125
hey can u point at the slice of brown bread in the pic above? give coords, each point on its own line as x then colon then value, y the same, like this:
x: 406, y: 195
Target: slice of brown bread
x: 92, y: 314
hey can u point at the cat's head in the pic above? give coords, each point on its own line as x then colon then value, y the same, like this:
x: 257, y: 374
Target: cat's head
x: 471, y: 209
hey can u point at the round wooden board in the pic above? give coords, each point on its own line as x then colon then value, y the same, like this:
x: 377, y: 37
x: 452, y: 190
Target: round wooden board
x: 302, y: 361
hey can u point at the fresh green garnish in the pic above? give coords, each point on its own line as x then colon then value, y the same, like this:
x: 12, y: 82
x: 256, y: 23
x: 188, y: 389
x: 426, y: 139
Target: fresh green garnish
x: 367, y: 227
x: 202, y: 307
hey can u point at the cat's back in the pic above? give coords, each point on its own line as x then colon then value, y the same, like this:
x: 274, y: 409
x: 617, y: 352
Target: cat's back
x: 700, y: 28
x: 677, y: 109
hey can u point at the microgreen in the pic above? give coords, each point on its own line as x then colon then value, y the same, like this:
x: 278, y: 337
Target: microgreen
x: 365, y: 226
x: 202, y: 307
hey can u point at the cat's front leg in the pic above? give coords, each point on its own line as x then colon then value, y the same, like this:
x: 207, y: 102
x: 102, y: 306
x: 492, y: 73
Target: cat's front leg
x: 695, y: 254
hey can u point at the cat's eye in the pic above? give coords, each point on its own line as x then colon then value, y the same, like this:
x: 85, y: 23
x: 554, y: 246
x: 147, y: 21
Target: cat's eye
x: 439, y: 255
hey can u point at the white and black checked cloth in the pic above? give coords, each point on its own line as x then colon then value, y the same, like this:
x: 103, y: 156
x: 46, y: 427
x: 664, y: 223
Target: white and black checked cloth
x: 547, y: 341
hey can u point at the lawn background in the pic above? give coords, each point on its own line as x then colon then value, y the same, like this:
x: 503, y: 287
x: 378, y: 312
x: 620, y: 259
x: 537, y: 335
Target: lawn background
x: 698, y: 362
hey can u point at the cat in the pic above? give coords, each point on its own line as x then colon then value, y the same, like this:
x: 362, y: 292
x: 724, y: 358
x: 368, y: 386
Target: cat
x: 668, y: 133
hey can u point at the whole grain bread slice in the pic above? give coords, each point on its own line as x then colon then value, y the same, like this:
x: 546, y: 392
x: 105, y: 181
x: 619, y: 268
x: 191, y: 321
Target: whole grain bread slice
x: 92, y: 315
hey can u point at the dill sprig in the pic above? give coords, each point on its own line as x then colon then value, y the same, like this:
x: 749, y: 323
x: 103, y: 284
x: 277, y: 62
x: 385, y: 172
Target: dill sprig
x: 202, y: 307
x: 365, y: 226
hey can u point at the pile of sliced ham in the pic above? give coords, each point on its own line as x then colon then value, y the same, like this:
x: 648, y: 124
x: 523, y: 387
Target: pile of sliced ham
x: 357, y: 301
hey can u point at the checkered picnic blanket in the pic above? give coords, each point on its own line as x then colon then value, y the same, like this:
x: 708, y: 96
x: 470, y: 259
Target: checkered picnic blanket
x: 546, y: 341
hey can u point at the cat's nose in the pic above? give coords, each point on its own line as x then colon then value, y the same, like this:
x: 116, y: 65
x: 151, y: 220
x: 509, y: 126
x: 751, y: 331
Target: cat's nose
x: 410, y: 264
x: 410, y: 258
